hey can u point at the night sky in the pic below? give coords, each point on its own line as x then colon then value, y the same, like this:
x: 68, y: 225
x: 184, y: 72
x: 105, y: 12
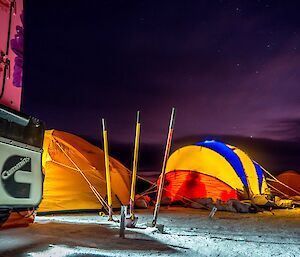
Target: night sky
x: 229, y: 67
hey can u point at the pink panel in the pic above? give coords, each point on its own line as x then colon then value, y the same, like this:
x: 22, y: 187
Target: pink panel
x: 10, y: 94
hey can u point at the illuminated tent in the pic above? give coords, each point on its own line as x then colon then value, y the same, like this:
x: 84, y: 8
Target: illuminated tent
x: 75, y: 175
x: 212, y: 169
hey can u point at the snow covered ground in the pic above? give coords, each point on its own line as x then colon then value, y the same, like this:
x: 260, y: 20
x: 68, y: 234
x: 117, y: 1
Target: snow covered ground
x: 188, y: 232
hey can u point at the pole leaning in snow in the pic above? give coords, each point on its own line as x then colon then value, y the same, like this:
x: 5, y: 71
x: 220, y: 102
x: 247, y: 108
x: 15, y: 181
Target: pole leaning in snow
x: 163, y: 170
x: 106, y: 159
x: 135, y: 162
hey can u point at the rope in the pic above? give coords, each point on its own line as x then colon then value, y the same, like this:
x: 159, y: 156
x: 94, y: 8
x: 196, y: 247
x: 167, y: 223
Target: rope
x: 92, y: 188
x: 277, y: 180
x: 278, y: 191
x: 270, y: 179
x: 154, y: 184
x: 95, y: 192
x: 71, y: 168
x: 147, y: 192
x: 188, y: 199
x: 147, y: 180
x: 27, y: 215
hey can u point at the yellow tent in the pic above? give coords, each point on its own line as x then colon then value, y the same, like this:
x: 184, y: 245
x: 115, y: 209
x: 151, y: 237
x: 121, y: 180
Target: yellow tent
x: 75, y: 175
x: 212, y: 169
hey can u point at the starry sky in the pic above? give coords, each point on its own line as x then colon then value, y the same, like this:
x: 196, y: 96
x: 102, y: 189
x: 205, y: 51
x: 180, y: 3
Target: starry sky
x: 229, y: 67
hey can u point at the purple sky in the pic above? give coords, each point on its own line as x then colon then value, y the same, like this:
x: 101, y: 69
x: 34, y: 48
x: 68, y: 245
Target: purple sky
x: 229, y: 67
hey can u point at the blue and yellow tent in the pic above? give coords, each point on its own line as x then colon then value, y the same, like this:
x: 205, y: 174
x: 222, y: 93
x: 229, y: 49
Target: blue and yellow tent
x: 212, y: 169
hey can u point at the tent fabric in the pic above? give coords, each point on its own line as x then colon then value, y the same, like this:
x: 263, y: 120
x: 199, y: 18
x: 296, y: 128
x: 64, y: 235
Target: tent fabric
x: 73, y: 168
x: 250, y: 171
x: 290, y: 178
x: 180, y: 185
x: 229, y: 155
x: 260, y: 176
x: 228, y: 168
x: 18, y: 219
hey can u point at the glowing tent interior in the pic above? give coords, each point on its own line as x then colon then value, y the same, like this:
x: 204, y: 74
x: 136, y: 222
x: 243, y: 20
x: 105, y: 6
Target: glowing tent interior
x: 75, y: 175
x: 212, y: 169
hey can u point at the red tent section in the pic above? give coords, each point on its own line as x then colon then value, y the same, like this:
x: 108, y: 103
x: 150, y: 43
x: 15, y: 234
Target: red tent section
x: 291, y: 179
x: 189, y: 184
x: 18, y: 219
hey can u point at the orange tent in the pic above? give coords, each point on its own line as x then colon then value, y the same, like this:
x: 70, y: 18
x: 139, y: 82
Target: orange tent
x: 75, y: 175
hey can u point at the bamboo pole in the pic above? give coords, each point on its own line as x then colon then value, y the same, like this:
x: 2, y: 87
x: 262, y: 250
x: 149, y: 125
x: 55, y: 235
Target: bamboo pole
x: 106, y: 159
x: 135, y: 162
x: 163, y: 169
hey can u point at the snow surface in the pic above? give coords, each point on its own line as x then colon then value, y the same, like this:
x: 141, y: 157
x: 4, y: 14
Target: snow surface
x: 188, y: 232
